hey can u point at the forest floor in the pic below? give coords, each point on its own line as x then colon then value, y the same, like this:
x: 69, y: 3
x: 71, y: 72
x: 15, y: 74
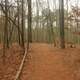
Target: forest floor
x: 46, y: 63
x: 10, y: 63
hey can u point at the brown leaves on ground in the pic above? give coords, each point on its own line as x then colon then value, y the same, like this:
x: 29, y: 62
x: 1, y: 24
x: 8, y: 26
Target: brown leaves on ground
x: 9, y: 64
x: 46, y: 63
x: 49, y: 63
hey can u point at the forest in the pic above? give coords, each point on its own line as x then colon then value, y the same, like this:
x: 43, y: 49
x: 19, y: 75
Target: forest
x: 39, y: 39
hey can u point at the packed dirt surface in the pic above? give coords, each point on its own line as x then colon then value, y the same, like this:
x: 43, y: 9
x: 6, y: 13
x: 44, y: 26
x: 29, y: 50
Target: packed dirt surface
x: 49, y: 63
x: 45, y: 63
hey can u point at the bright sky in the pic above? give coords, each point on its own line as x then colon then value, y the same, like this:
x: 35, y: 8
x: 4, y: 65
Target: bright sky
x: 52, y: 4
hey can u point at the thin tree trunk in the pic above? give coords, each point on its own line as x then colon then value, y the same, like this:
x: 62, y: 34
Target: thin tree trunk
x: 22, y: 34
x: 29, y: 22
x: 19, y: 39
x: 6, y: 26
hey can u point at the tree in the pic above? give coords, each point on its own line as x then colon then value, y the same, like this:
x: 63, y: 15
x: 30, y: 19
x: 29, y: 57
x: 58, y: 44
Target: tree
x: 22, y: 28
x: 18, y: 21
x: 6, y: 42
x: 29, y: 22
x: 61, y: 21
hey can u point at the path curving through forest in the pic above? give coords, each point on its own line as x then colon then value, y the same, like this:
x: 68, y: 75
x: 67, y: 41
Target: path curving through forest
x: 47, y: 63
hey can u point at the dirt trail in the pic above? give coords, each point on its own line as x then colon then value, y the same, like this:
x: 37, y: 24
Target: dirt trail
x: 47, y: 63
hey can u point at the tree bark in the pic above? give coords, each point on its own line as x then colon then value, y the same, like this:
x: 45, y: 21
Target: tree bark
x: 61, y: 21
x: 29, y: 22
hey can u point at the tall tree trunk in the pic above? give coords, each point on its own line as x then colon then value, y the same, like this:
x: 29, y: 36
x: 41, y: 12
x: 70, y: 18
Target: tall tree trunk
x: 29, y: 22
x: 6, y: 42
x: 22, y: 34
x: 19, y: 39
x: 61, y: 20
